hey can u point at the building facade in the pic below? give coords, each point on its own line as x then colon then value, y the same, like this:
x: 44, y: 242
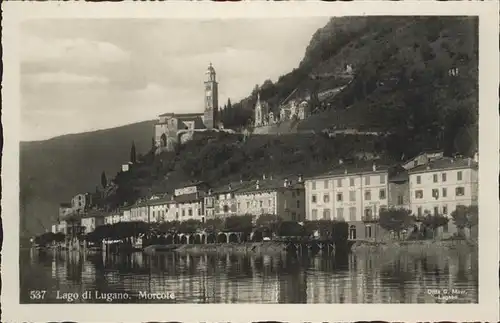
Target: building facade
x: 351, y: 194
x: 423, y: 159
x: 442, y: 185
x: 283, y: 198
x: 90, y: 222
x: 162, y: 209
x: 262, y: 112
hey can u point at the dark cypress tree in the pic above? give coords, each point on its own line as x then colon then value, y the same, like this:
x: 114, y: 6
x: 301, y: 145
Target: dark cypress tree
x: 104, y: 181
x: 133, y: 155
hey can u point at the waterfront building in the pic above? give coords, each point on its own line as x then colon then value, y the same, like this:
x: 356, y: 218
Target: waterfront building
x: 125, y: 214
x: 92, y: 220
x: 79, y: 202
x: 140, y: 212
x: 172, y: 129
x: 443, y: 184
x: 349, y: 193
x: 282, y: 197
x: 162, y: 209
x: 224, y: 200
x: 190, y: 207
x: 112, y: 218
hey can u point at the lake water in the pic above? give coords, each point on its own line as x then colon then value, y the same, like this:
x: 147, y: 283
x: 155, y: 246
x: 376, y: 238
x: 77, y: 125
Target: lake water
x: 351, y: 278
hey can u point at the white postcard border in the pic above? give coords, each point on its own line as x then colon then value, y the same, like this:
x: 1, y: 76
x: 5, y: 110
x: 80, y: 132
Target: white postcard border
x: 486, y: 310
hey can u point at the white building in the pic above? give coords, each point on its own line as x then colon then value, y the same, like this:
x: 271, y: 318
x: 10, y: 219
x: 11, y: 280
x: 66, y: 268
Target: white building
x: 162, y: 210
x: 91, y: 221
x: 112, y: 218
x: 281, y: 197
x: 443, y: 184
x: 349, y: 193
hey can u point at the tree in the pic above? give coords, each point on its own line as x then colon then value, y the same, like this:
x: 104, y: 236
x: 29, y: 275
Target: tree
x: 395, y: 220
x: 434, y: 222
x: 212, y: 225
x: 465, y: 217
x: 269, y: 221
x: 133, y: 155
x: 238, y: 223
x: 104, y: 181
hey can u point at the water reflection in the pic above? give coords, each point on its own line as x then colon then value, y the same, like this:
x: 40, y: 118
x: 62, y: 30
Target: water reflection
x: 211, y: 278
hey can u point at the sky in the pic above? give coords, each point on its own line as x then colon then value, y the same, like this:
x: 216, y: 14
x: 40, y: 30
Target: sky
x: 84, y: 75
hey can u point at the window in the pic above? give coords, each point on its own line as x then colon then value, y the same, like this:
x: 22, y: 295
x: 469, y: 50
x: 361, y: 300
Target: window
x: 459, y: 191
x: 326, y: 198
x: 382, y: 179
x: 368, y: 231
x: 270, y: 202
x: 436, y: 210
x: 459, y: 175
x: 199, y: 211
x: 339, y: 182
x: 248, y: 205
x: 238, y: 205
x: 419, y: 194
x: 445, y: 191
x: 153, y: 214
x: 435, y: 178
x: 326, y: 184
x: 314, y: 198
x: 443, y: 177
x: 313, y: 184
x: 400, y: 200
x: 419, y: 179
x: 368, y: 195
x: 419, y: 211
x: 381, y: 194
x: 352, y: 213
x: 225, y: 208
x: 352, y: 196
x: 314, y: 214
x: 368, y: 213
x: 340, y: 213
x: 190, y: 212
x: 183, y: 212
x: 435, y: 193
x: 298, y: 204
x: 326, y: 214
x: 367, y: 180
x: 445, y: 228
x: 445, y: 209
x: 351, y: 181
x: 260, y: 203
x: 339, y: 197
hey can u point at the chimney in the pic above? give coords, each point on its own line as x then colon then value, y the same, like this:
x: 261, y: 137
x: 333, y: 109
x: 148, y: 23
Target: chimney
x: 374, y: 167
x: 469, y: 160
x: 285, y: 184
x: 301, y: 179
x: 271, y: 177
x: 257, y: 185
x: 241, y: 181
x: 210, y: 191
x: 341, y: 162
x: 345, y: 171
x: 428, y: 167
x: 230, y: 187
x: 264, y: 176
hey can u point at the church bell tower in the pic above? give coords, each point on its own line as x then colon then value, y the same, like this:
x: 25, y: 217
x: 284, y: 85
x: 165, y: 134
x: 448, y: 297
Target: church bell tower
x: 211, y: 98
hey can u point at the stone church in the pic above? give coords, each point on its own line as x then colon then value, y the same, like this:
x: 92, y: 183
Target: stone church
x: 173, y: 128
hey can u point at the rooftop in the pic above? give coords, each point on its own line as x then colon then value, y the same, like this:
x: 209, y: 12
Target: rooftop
x: 445, y: 163
x: 270, y: 185
x: 352, y: 169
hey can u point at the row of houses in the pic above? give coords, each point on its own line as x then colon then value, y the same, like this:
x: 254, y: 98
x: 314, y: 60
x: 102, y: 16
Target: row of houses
x: 427, y: 184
